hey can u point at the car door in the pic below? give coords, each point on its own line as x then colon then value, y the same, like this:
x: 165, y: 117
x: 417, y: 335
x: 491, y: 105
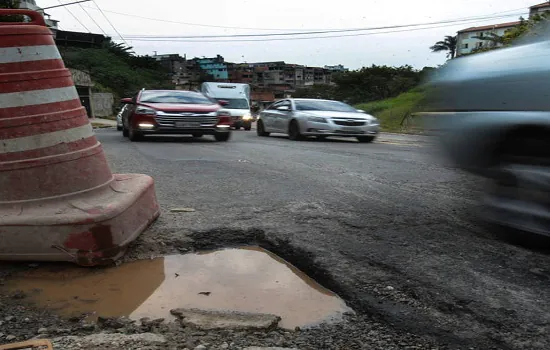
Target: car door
x: 268, y: 117
x: 284, y: 115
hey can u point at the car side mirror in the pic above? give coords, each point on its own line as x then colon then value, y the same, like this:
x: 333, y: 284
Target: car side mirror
x: 127, y: 101
x: 223, y: 102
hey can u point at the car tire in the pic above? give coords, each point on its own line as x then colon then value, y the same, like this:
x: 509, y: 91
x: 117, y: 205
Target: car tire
x: 294, y: 131
x: 134, y: 135
x: 197, y: 135
x: 125, y: 132
x: 119, y: 128
x: 222, y: 136
x: 519, y: 162
x: 365, y: 139
x: 321, y: 138
x: 248, y: 127
x: 260, y: 130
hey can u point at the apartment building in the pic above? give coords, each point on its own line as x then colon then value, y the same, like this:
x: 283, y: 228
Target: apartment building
x: 469, y: 39
x: 214, y: 66
x: 538, y: 9
x: 185, y: 74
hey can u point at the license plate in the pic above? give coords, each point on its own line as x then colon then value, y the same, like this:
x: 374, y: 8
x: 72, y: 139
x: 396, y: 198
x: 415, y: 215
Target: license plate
x: 187, y: 125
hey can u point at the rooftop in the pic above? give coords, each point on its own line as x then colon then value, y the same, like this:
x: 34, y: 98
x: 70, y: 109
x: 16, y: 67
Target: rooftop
x: 489, y: 27
x: 544, y: 4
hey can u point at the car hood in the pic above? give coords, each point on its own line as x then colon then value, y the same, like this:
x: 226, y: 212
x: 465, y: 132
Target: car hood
x: 237, y: 112
x: 328, y: 114
x: 176, y: 107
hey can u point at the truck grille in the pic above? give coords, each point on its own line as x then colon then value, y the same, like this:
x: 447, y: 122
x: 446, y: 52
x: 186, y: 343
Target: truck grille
x: 349, y: 122
x: 169, y: 119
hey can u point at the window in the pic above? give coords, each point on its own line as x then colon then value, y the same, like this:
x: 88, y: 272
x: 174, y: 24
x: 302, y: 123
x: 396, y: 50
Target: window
x: 465, y: 46
x: 179, y: 97
x: 275, y: 105
x: 479, y: 44
x: 321, y: 105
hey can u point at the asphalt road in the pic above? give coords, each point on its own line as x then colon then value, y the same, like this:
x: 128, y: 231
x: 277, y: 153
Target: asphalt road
x: 387, y: 225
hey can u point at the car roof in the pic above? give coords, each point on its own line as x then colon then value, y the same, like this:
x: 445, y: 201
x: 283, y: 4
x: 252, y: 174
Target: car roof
x: 152, y: 90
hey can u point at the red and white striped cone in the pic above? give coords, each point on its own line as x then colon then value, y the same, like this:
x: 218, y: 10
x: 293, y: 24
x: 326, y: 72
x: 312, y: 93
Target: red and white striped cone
x: 59, y: 200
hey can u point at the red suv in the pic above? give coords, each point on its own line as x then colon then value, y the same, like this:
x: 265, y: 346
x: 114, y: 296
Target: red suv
x: 174, y: 112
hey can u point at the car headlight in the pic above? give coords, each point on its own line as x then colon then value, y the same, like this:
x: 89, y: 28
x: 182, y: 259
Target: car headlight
x: 145, y: 110
x: 374, y: 121
x: 247, y: 117
x: 317, y: 119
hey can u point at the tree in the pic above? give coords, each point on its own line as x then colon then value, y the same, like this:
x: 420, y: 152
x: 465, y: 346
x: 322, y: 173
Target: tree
x: 448, y: 44
x: 10, y: 4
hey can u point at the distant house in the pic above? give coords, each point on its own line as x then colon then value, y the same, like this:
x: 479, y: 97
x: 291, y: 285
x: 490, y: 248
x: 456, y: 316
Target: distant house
x: 538, y: 9
x: 214, y: 66
x: 469, y: 39
x: 31, y: 5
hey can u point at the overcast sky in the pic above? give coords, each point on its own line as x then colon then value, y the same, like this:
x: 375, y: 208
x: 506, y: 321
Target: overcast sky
x: 408, y: 46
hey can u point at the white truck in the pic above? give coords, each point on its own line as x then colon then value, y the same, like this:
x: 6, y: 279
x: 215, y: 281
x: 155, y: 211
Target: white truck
x: 234, y: 98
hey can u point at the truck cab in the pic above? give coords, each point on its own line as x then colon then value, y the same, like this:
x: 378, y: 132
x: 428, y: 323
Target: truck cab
x: 235, y: 99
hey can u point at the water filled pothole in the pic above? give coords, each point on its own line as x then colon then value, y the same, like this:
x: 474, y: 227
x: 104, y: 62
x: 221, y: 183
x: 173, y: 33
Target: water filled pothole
x: 247, y: 279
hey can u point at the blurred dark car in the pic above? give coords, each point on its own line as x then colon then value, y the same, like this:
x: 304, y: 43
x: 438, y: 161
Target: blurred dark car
x: 493, y: 112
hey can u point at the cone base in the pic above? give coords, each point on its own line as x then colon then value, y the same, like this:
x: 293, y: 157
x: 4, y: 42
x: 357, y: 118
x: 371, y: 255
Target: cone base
x: 88, y: 228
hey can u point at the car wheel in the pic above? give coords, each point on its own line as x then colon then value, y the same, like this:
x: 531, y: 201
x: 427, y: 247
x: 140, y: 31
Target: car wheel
x: 294, y: 131
x: 119, y: 128
x: 197, y: 135
x: 134, y: 135
x: 125, y: 132
x: 365, y: 139
x: 260, y: 130
x: 222, y: 136
x: 248, y: 127
x: 519, y: 192
x: 321, y: 138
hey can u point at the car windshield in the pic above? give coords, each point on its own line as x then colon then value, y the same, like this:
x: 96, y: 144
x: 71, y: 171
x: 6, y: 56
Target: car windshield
x: 315, y: 105
x: 235, y: 103
x: 180, y: 97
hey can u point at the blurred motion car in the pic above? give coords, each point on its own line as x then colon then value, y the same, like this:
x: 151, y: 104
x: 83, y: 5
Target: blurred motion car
x: 300, y: 118
x: 181, y: 112
x: 492, y: 111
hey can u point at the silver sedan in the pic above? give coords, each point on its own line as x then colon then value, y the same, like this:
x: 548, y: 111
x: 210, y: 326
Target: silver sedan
x: 299, y: 118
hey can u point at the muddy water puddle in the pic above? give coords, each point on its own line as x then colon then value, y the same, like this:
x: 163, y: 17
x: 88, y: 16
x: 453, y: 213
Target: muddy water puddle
x: 247, y: 279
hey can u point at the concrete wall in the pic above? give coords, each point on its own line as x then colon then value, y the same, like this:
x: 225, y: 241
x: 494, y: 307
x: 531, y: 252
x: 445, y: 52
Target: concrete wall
x: 102, y: 104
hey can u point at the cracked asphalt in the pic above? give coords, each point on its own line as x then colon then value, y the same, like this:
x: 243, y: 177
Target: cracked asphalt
x: 389, y: 226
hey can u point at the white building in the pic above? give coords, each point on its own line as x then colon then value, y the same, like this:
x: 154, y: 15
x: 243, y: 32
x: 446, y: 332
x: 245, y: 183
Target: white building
x: 467, y: 39
x: 540, y: 8
x: 31, y: 5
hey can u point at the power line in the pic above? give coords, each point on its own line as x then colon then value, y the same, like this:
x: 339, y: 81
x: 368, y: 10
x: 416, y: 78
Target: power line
x: 72, y: 14
x: 87, y: 13
x: 304, y: 38
x: 110, y: 23
x: 63, y: 5
x: 315, y: 32
x: 244, y: 28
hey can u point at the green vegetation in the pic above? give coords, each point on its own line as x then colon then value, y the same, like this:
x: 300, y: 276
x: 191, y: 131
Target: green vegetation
x: 115, y: 68
x: 393, y: 112
x: 367, y: 84
x: 448, y: 44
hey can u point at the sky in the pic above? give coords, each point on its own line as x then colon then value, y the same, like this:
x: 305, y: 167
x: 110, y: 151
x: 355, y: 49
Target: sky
x: 177, y: 18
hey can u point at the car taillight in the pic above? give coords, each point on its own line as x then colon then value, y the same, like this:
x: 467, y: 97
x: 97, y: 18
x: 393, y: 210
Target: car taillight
x: 224, y: 118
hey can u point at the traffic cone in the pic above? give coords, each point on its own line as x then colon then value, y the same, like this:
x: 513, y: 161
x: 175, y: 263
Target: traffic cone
x: 59, y: 200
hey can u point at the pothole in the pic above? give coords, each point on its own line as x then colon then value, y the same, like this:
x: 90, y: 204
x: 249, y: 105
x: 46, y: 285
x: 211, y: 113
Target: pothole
x: 248, y: 279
